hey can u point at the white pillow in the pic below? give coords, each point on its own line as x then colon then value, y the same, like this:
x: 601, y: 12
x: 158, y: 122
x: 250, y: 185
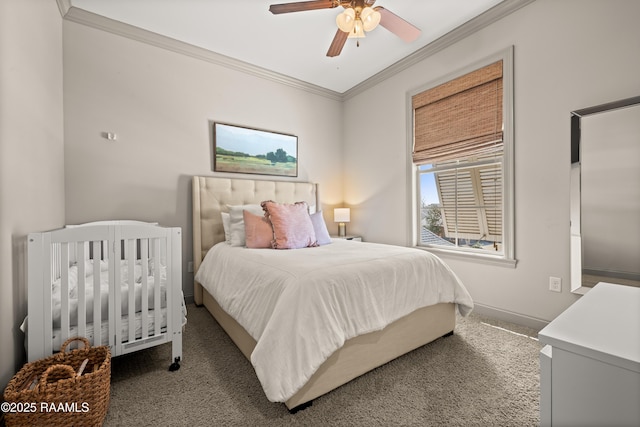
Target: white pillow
x: 226, y: 225
x: 236, y: 222
x: 319, y: 226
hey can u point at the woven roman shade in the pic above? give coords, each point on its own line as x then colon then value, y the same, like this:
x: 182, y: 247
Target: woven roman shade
x: 459, y: 118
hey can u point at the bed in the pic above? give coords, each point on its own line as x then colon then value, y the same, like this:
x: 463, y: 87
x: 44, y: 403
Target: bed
x: 272, y: 318
x: 116, y: 283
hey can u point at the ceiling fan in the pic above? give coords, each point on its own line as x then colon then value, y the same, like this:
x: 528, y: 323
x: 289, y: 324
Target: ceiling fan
x: 359, y: 16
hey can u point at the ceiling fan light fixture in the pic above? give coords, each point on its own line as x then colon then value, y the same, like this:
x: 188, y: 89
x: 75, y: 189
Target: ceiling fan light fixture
x: 358, y: 30
x: 346, y: 20
x: 358, y: 17
x: 370, y: 18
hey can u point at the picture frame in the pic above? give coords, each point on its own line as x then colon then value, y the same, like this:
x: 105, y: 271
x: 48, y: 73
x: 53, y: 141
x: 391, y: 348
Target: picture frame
x: 241, y: 149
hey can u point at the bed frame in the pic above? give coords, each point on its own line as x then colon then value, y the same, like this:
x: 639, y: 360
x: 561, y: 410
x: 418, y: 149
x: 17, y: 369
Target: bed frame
x: 51, y: 253
x: 211, y: 196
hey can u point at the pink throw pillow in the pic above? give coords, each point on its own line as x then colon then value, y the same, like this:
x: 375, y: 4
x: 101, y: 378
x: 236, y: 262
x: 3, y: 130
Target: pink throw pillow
x: 292, y: 226
x: 258, y: 231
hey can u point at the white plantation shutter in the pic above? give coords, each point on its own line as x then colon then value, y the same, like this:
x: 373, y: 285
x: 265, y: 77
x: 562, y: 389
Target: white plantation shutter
x: 491, y: 190
x: 458, y: 199
x: 471, y: 202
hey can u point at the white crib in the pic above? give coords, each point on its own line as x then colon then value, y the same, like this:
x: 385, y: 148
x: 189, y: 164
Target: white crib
x: 120, y: 306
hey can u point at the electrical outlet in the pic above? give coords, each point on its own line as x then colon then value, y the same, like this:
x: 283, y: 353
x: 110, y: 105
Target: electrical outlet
x: 555, y: 284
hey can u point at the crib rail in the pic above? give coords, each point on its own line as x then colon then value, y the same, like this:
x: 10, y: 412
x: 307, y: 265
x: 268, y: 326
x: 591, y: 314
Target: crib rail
x: 115, y: 283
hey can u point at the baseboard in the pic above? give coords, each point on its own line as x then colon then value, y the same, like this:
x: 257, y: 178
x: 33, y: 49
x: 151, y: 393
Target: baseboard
x: 612, y: 274
x: 508, y: 316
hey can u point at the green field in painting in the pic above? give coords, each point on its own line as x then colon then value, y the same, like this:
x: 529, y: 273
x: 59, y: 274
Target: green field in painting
x: 226, y: 163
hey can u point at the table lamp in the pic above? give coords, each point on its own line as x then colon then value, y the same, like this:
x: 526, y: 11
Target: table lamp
x: 341, y: 216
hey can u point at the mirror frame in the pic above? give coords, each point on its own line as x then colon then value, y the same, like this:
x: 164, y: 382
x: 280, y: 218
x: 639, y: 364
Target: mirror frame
x: 575, y: 226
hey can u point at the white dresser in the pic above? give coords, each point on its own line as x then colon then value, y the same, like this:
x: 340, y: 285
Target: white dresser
x: 590, y: 365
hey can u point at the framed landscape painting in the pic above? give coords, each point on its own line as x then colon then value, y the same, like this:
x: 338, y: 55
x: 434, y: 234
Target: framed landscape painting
x: 240, y: 149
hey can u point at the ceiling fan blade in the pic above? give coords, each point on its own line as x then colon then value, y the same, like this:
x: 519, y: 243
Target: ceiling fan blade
x: 398, y: 26
x: 301, y: 6
x: 338, y: 43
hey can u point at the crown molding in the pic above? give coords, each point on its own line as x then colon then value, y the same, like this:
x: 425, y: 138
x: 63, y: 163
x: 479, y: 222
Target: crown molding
x: 481, y: 21
x: 63, y: 6
x: 81, y: 16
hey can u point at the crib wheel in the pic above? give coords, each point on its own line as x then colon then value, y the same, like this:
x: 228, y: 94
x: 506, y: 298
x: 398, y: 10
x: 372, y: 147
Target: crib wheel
x: 175, y: 365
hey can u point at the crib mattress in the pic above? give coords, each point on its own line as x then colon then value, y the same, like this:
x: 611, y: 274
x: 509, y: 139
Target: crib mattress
x: 104, y: 329
x: 137, y: 276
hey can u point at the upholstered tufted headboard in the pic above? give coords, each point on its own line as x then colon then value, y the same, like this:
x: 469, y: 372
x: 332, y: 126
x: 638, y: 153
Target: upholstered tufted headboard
x: 211, y: 196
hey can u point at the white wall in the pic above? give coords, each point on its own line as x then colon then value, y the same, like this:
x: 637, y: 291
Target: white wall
x: 31, y: 154
x: 568, y: 55
x: 159, y: 103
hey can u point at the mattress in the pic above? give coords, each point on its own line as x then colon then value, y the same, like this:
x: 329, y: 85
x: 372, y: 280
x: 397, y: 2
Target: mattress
x: 302, y: 305
x: 73, y: 285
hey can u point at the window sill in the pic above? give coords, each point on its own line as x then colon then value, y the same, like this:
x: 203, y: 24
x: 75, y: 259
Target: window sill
x: 474, y: 257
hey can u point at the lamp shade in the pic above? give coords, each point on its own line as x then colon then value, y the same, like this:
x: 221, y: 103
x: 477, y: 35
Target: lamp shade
x: 358, y: 30
x: 341, y: 215
x: 346, y: 20
x: 370, y: 18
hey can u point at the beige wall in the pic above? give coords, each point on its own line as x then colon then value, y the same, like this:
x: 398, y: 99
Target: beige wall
x: 568, y: 54
x: 31, y: 154
x: 159, y: 103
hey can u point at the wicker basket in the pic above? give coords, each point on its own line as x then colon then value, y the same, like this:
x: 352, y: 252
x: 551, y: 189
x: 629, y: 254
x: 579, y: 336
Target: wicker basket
x: 61, y: 397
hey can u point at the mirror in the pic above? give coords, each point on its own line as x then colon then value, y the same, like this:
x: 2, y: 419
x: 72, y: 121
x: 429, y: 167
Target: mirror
x: 605, y: 195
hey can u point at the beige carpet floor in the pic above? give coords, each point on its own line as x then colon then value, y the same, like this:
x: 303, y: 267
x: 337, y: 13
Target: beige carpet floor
x: 486, y: 374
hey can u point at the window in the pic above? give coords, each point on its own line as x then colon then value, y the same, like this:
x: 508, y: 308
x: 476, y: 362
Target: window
x: 462, y: 158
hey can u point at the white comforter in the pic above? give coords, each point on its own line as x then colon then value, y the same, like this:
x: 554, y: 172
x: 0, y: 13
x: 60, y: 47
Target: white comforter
x: 302, y: 305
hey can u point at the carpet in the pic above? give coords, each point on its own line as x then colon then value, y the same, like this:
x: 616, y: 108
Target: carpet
x: 486, y: 374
